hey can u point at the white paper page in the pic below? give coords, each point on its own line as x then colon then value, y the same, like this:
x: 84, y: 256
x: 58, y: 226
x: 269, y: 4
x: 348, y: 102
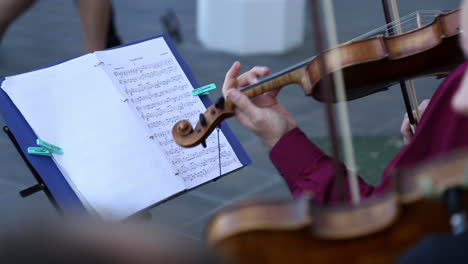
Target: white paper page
x: 150, y: 77
x: 107, y: 158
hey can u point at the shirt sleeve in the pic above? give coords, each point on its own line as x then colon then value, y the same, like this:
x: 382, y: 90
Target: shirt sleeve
x: 307, y: 169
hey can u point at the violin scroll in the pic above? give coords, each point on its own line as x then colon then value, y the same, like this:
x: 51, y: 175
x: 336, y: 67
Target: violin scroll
x: 187, y: 136
x: 183, y: 127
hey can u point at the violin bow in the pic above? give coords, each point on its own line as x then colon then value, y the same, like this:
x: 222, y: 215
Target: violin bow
x: 342, y: 110
x: 404, y: 91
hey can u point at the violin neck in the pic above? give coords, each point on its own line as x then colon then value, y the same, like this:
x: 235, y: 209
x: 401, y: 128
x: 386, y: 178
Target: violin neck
x: 296, y: 74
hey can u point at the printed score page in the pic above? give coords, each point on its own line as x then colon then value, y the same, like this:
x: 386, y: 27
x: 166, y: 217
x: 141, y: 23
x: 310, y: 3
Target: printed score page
x: 159, y: 93
x: 108, y: 161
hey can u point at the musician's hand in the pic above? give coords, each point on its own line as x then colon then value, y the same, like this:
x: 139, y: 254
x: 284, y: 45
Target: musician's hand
x: 263, y: 114
x: 405, y: 125
x: 460, y: 99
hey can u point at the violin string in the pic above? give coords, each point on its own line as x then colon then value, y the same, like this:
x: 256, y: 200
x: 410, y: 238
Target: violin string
x: 425, y: 15
x: 393, y: 23
x: 219, y: 153
x: 406, y: 22
x: 380, y: 29
x: 405, y: 25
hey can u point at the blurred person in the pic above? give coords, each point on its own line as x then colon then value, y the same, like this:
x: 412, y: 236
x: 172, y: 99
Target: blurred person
x: 171, y: 25
x: 89, y: 241
x: 96, y: 20
x: 95, y: 16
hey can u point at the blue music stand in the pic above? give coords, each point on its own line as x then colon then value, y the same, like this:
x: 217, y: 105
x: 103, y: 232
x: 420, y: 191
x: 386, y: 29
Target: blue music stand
x: 48, y: 176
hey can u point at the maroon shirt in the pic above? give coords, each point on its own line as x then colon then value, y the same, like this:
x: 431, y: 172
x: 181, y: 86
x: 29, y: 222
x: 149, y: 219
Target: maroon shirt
x: 306, y: 168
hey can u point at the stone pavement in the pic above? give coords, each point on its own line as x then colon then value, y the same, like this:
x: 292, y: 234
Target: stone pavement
x: 50, y: 32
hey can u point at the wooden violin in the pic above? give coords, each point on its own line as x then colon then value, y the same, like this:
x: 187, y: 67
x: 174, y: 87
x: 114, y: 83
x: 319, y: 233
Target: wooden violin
x: 375, y: 231
x: 368, y: 65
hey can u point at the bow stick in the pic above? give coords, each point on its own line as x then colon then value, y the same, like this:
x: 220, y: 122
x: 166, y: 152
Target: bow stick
x: 342, y: 111
x: 404, y: 91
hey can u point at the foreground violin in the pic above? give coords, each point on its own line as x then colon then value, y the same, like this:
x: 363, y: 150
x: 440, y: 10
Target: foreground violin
x: 375, y: 231
x: 368, y: 65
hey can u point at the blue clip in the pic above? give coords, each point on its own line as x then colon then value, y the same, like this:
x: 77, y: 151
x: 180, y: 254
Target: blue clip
x: 39, y: 151
x: 49, y: 147
x: 203, y: 90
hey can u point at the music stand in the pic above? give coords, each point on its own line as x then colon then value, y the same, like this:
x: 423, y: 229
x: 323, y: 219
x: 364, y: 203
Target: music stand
x: 40, y: 186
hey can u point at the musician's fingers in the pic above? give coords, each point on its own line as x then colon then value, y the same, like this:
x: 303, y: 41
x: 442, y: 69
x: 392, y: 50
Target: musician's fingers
x: 264, y: 100
x: 406, y: 129
x: 244, y: 105
x: 423, y: 105
x: 244, y: 119
x: 230, y: 81
x: 460, y: 99
x: 280, y: 109
x: 274, y: 93
x: 247, y: 79
x: 253, y: 75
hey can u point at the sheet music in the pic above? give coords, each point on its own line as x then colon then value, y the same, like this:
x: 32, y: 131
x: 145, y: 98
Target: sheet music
x: 149, y: 76
x: 108, y: 160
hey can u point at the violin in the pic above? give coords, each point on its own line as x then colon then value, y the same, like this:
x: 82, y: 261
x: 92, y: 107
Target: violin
x: 377, y: 230
x: 368, y: 66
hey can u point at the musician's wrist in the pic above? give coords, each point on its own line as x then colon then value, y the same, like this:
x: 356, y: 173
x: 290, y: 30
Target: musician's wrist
x: 274, y: 136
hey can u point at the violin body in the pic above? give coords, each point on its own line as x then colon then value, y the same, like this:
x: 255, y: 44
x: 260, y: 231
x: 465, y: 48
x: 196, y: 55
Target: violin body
x: 301, y: 245
x: 368, y: 66
x: 374, y: 64
x: 377, y: 230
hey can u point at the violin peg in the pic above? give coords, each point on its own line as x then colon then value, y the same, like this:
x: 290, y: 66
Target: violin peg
x: 203, y: 143
x: 202, y: 120
x: 220, y: 103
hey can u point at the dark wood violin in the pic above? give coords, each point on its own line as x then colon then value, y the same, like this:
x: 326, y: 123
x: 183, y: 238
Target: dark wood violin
x: 377, y: 230
x: 368, y: 66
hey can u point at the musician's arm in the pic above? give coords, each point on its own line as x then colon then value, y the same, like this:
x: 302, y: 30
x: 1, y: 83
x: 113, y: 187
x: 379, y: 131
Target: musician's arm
x: 307, y: 169
x: 303, y: 165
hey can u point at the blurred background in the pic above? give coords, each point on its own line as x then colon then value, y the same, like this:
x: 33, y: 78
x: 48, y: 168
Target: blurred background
x: 50, y: 31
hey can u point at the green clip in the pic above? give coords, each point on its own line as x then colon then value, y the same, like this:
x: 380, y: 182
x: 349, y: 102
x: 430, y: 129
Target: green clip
x: 203, y: 90
x: 39, y: 151
x: 49, y: 146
